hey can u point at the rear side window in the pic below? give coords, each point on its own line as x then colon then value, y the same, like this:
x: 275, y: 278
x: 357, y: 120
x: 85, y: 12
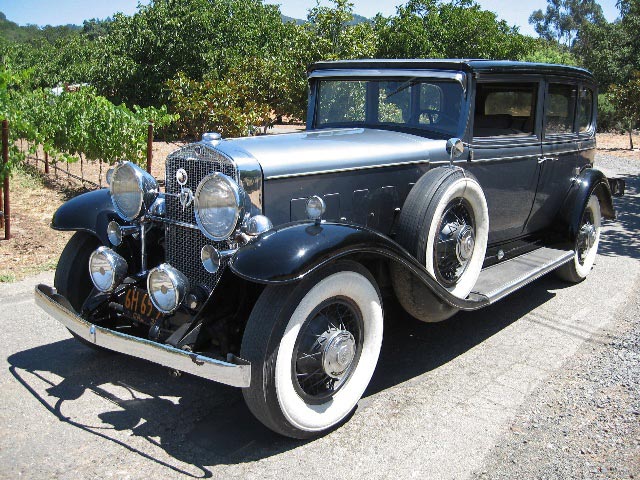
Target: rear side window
x: 585, y: 109
x: 505, y: 109
x: 559, y: 109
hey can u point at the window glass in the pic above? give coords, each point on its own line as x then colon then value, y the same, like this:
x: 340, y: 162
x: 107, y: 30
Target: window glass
x: 394, y: 101
x: 341, y: 101
x: 560, y: 108
x: 430, y: 103
x: 585, y: 109
x: 411, y: 103
x: 505, y: 109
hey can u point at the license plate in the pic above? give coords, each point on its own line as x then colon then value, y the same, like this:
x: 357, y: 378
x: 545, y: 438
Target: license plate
x: 138, y: 306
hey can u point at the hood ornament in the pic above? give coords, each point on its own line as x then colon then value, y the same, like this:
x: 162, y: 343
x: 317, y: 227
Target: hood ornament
x: 186, y: 197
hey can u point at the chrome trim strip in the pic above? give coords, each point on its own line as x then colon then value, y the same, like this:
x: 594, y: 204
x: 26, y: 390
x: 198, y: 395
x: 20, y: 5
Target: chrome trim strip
x: 459, y: 77
x: 520, y: 282
x: 235, y: 372
x: 172, y: 222
x: 338, y: 170
x: 516, y: 157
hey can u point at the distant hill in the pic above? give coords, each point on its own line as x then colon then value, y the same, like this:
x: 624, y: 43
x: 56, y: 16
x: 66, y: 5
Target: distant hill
x: 12, y: 31
x: 356, y: 20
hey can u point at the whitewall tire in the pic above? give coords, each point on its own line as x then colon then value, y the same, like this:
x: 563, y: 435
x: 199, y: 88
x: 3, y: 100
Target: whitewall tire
x: 586, y: 244
x: 313, y: 348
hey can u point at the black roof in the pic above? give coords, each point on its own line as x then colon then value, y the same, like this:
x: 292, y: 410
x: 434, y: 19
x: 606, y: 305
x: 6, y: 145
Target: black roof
x: 468, y: 65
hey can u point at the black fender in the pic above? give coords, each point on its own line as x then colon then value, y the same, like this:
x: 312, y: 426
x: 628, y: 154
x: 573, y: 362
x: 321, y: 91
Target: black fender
x: 289, y: 252
x: 90, y: 212
x: 589, y: 182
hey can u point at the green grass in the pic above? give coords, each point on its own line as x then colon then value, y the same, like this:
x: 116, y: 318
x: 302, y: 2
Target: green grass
x: 7, y: 278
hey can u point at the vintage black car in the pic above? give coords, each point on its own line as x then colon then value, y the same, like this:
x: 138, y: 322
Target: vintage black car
x: 262, y: 264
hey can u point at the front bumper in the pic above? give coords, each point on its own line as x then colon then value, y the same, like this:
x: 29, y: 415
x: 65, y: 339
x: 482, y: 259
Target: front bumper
x: 235, y: 371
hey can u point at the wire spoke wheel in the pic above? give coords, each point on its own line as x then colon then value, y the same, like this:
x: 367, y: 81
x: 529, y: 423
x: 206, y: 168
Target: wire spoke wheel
x: 454, y: 242
x: 327, y: 349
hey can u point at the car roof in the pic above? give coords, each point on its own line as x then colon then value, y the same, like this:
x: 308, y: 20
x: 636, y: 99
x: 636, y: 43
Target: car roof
x: 467, y: 65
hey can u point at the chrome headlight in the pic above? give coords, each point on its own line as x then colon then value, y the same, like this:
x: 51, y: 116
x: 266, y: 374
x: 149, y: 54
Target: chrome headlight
x: 218, y: 205
x: 167, y: 287
x: 133, y: 190
x: 107, y: 269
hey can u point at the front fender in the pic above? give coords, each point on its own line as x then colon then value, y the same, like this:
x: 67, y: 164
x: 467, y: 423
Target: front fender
x: 590, y: 182
x: 290, y: 252
x: 89, y: 212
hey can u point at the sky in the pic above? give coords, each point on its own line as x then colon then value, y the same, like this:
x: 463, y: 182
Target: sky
x: 61, y: 12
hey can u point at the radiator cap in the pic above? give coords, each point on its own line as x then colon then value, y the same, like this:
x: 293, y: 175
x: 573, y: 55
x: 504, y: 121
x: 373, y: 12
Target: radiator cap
x: 211, y: 137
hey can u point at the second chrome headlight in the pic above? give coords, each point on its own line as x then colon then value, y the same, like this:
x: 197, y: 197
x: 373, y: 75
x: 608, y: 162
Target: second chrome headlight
x: 217, y: 206
x: 132, y: 190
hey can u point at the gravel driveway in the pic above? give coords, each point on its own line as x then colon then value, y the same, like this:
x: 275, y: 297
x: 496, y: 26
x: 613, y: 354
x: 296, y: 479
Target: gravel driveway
x: 544, y: 384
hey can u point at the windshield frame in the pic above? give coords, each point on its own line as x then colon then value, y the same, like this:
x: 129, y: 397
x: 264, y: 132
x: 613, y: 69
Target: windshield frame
x: 407, y: 76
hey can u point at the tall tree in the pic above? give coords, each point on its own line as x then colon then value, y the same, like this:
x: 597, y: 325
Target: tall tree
x: 563, y: 19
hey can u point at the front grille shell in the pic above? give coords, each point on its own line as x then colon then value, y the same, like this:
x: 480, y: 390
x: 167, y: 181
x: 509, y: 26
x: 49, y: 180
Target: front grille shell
x: 183, y: 238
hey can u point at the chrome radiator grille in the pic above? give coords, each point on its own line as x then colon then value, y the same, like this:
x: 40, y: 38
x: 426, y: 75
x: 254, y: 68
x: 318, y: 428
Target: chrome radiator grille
x: 184, y: 242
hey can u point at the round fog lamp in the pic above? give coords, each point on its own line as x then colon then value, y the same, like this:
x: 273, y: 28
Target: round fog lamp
x: 315, y: 207
x: 114, y: 234
x: 210, y: 258
x: 107, y: 269
x: 167, y: 287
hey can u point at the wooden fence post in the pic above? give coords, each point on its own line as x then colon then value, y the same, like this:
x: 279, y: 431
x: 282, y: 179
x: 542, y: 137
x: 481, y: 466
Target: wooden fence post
x: 5, y: 161
x: 149, y: 146
x: 46, y: 163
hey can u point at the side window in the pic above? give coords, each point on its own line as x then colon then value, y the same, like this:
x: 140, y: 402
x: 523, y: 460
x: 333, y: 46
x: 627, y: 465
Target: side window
x: 585, y: 109
x: 559, y: 109
x: 505, y: 109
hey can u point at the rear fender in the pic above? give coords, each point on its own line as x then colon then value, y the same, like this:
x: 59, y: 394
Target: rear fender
x: 90, y: 212
x: 290, y: 252
x: 590, y: 182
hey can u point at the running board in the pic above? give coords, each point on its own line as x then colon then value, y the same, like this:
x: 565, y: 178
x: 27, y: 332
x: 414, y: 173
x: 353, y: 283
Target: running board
x: 498, y: 281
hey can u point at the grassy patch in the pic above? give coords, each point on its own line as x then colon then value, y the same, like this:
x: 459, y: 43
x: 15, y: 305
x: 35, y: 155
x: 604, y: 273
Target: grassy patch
x: 7, y: 278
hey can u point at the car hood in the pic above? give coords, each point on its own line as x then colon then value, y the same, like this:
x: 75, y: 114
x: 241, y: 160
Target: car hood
x: 323, y: 151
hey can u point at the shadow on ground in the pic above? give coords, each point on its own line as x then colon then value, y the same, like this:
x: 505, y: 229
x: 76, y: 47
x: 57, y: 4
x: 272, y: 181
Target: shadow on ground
x: 209, y: 424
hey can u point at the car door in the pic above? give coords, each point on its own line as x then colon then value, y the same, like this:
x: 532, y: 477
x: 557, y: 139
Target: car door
x: 505, y: 150
x: 560, y: 149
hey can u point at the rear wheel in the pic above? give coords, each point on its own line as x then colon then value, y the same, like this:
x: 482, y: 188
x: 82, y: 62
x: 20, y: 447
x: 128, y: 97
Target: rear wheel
x: 313, y: 348
x: 586, y: 244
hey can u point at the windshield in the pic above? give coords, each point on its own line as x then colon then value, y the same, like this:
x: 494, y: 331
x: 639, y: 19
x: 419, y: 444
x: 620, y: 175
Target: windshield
x: 406, y: 104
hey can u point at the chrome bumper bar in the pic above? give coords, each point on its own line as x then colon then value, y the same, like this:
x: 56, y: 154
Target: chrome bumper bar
x: 235, y: 371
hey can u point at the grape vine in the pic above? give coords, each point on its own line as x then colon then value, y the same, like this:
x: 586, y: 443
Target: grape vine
x: 73, y: 124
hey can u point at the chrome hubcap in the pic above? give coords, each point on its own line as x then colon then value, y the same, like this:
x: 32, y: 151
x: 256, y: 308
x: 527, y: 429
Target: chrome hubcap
x: 466, y: 242
x: 339, y: 350
x: 327, y: 349
x: 455, y: 242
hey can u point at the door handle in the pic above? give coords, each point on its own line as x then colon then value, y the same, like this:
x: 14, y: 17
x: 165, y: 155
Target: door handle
x: 544, y: 159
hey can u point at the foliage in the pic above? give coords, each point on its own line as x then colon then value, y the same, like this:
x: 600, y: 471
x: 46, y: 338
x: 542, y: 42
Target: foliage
x: 563, y: 19
x: 612, y: 50
x: 545, y: 51
x: 220, y: 105
x: 15, y: 33
x: 626, y: 101
x: 438, y: 29
x: 73, y: 124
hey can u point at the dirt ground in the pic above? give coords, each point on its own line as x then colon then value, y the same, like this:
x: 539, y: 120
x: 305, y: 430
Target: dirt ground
x: 35, y: 197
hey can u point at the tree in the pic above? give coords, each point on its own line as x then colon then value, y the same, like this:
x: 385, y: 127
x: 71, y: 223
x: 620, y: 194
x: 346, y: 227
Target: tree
x: 612, y: 50
x: 563, y: 19
x: 626, y: 101
x: 545, y: 51
x: 438, y: 29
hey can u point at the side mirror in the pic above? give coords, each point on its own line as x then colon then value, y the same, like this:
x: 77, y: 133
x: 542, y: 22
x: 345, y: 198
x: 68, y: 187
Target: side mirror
x: 455, y: 148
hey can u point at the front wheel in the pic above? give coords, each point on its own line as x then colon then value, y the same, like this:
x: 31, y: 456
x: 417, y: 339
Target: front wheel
x: 586, y: 244
x: 313, y: 347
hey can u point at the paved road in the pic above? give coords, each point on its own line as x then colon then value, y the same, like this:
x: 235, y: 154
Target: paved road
x: 441, y: 397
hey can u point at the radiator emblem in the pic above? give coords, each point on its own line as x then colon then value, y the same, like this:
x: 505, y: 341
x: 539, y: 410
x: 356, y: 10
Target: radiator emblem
x: 181, y: 177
